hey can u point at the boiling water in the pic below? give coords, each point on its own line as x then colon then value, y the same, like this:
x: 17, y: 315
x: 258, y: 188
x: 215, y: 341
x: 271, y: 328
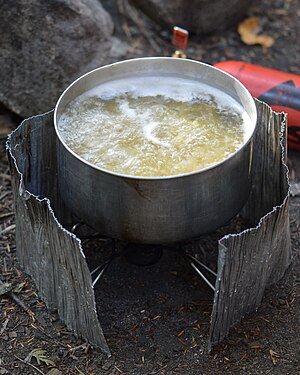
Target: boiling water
x: 154, y: 126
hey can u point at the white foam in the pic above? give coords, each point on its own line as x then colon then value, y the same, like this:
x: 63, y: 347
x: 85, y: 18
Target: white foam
x: 173, y: 87
x: 148, y: 129
x: 154, y: 126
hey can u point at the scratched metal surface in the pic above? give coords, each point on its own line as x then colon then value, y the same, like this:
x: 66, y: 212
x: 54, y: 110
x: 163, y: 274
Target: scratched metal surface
x: 49, y: 253
x: 254, y: 259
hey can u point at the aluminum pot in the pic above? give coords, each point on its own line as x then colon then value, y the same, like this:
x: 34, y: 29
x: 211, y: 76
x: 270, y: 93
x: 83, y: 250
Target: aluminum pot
x: 154, y: 210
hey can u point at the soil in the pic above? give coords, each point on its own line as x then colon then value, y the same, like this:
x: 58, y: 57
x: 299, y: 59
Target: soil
x: 156, y: 318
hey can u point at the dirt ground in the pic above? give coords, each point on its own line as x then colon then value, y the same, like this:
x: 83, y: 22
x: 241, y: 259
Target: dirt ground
x: 156, y: 318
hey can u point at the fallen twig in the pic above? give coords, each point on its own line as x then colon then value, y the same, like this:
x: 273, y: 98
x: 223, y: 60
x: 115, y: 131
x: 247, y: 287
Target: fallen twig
x: 8, y: 229
x: 19, y: 323
x: 117, y: 368
x: 7, y: 214
x: 29, y: 364
x: 17, y: 300
x: 4, y: 265
x: 4, y: 195
x: 79, y: 371
x: 4, y: 325
x: 21, y: 304
x: 82, y: 346
x: 157, y: 371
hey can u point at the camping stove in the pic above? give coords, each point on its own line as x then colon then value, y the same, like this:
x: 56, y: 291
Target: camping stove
x: 248, y: 260
x: 140, y: 254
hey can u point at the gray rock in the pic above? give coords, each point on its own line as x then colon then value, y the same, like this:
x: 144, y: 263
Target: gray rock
x: 5, y: 288
x: 12, y: 335
x: 119, y: 48
x: 197, y: 16
x: 107, y: 364
x: 45, y: 45
x: 54, y: 371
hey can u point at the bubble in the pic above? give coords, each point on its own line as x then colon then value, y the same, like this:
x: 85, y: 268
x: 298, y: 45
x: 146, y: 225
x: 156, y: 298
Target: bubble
x: 154, y: 126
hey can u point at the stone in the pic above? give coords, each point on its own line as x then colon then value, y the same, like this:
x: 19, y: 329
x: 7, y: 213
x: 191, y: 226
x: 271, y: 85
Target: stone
x: 119, y: 48
x: 12, y: 335
x: 45, y: 46
x: 197, y: 16
x: 54, y: 371
x: 5, y: 288
x: 107, y: 364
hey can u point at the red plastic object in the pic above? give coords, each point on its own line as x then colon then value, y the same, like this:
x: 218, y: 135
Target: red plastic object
x: 180, y: 38
x: 279, y: 89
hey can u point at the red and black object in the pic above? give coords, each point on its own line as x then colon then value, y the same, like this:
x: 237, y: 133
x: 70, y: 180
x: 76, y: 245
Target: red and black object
x: 279, y: 89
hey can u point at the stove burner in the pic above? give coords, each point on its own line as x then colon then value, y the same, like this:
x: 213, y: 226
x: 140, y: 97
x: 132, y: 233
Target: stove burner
x: 138, y: 254
x: 195, y: 263
x: 143, y: 255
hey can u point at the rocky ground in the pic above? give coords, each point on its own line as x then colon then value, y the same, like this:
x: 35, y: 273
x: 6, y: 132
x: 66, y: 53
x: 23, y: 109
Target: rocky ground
x: 156, y: 318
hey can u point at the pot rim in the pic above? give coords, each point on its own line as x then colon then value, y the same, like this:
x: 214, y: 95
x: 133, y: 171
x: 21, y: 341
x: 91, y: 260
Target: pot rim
x: 154, y: 178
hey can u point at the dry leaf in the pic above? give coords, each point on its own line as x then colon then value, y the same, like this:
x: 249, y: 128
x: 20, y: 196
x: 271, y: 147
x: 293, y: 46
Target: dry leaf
x: 274, y: 356
x: 248, y: 30
x: 39, y: 355
x: 79, y: 371
x: 19, y: 287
